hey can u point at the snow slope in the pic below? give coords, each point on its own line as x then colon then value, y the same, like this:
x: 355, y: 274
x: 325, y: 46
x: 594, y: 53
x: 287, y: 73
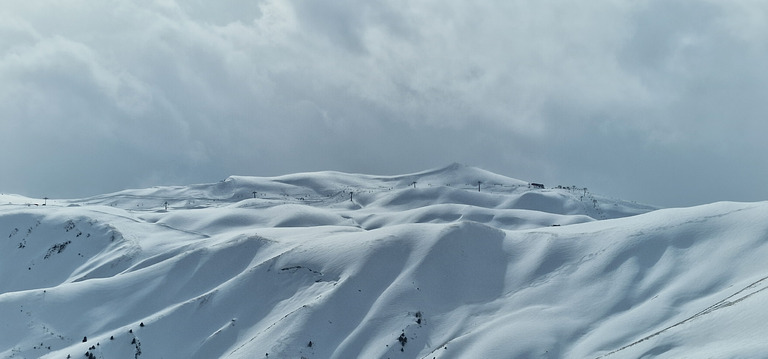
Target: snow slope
x: 435, y: 269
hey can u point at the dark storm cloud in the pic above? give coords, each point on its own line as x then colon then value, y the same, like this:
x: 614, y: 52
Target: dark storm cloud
x: 655, y: 101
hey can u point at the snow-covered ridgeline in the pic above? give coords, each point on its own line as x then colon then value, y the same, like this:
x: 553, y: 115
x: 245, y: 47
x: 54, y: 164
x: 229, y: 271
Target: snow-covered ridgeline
x: 436, y: 269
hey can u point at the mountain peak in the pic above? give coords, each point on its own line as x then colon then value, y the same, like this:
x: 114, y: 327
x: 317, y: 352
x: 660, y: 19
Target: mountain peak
x: 453, y: 262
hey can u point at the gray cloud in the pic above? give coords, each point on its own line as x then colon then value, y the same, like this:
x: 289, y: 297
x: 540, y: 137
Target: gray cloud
x: 655, y: 101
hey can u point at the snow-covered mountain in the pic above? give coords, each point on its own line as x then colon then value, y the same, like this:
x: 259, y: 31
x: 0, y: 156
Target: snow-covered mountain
x: 450, y: 263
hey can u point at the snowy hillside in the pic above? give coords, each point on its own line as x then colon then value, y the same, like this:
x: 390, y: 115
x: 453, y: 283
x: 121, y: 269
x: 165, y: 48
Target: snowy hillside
x: 451, y: 263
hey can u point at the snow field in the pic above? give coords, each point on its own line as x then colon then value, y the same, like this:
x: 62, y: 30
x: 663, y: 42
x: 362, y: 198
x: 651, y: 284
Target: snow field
x: 436, y: 271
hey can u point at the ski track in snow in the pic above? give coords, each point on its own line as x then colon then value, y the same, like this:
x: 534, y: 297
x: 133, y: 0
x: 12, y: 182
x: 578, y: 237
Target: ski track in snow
x: 744, y: 293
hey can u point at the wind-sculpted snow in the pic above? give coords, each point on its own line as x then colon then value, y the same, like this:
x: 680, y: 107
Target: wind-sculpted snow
x: 55, y: 247
x: 303, y: 269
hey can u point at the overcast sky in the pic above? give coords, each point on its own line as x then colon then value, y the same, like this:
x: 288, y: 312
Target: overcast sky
x: 661, y: 102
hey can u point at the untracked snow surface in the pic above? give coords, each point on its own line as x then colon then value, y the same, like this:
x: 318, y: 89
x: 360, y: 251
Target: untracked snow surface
x: 451, y: 263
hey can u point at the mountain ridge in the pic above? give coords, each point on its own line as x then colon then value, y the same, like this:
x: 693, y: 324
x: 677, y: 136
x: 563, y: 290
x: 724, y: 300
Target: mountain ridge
x: 441, y: 270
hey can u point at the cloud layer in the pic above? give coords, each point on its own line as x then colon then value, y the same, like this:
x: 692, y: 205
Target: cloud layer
x: 656, y: 101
